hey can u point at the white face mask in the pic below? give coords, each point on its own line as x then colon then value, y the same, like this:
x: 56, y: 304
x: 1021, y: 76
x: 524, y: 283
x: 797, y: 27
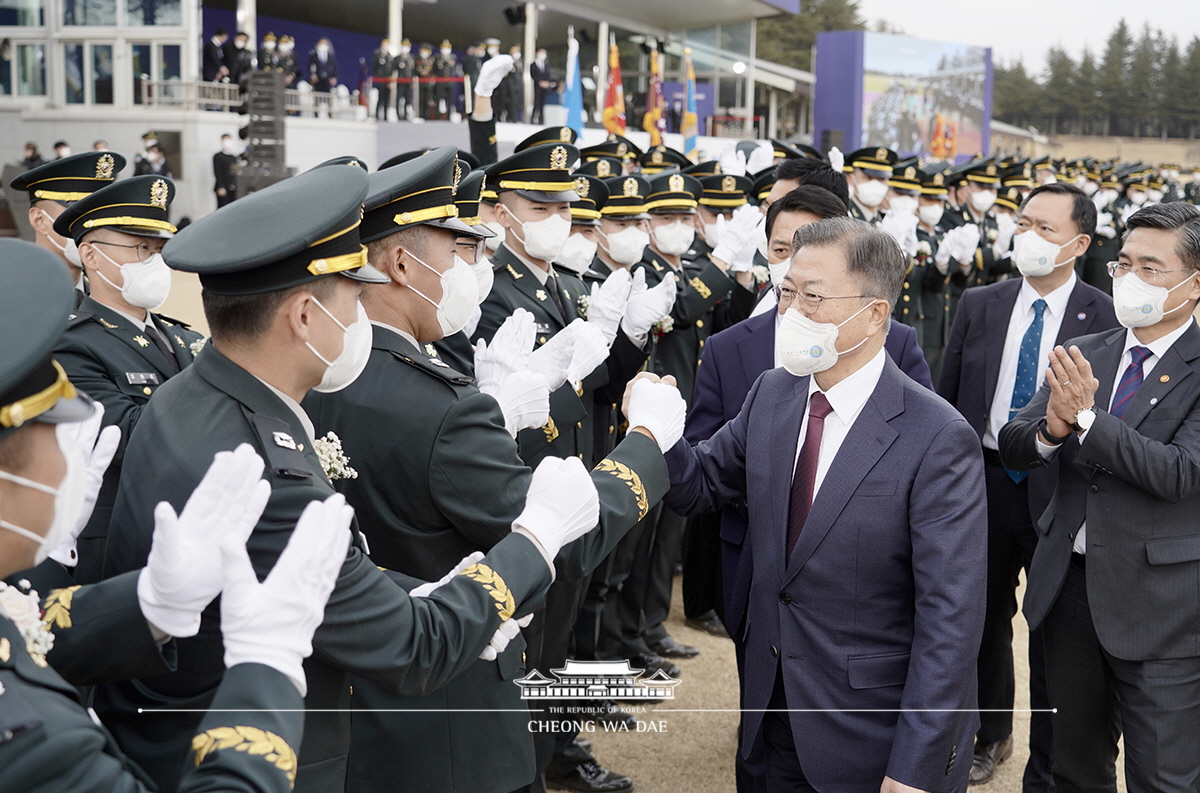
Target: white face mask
x: 1138, y: 198
x: 543, y: 239
x: 779, y: 271
x: 485, y: 276
x: 70, y: 251
x: 460, y: 295
x: 982, y: 201
x: 626, y: 246
x: 350, y: 362
x: 806, y: 347
x: 577, y: 254
x: 1139, y: 304
x: 445, y: 50
x: 144, y: 284
x: 228, y: 146
x: 493, y: 51
x: 1090, y: 188
x: 68, y: 499
x: 241, y: 45
x: 870, y: 193
x: 674, y: 239
x: 322, y: 51
x: 268, y: 45
x: 931, y: 215
x: 493, y: 243
x: 1035, y: 255
x: 286, y: 48
x: 903, y: 204
x: 65, y: 151
x: 1154, y: 196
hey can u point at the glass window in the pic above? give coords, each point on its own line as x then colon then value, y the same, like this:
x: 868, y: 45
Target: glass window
x: 152, y: 12
x: 6, y: 67
x: 102, y: 74
x: 142, y: 69
x: 89, y: 12
x: 22, y: 12
x: 73, y: 73
x: 31, y: 69
x: 170, y: 65
x: 735, y: 37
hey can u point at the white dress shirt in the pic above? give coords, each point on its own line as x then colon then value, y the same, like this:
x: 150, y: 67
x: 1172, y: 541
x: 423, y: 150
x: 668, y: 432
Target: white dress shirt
x: 294, y: 406
x: 1018, y: 323
x: 847, y: 399
x: 1157, y: 349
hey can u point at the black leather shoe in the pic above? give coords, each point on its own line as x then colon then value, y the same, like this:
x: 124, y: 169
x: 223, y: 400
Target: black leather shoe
x: 709, y: 623
x: 588, y: 777
x: 651, y: 663
x: 669, y: 648
x: 988, y: 757
x: 611, y: 715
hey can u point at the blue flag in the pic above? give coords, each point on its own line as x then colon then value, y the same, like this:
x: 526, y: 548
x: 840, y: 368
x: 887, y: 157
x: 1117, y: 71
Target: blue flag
x: 573, y: 96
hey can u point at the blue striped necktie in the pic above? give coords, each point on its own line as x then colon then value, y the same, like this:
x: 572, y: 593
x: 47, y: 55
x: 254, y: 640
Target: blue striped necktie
x: 1129, y: 381
x: 1027, y: 372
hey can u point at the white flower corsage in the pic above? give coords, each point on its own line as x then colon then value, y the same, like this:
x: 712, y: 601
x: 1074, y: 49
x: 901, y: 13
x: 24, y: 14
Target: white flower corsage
x: 25, y: 611
x: 761, y: 274
x: 581, y: 305
x: 663, y: 326
x: 197, y: 346
x: 333, y: 459
x: 924, y: 248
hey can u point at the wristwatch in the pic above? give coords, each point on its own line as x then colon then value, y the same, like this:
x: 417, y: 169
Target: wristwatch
x: 1054, y: 439
x: 1084, y: 419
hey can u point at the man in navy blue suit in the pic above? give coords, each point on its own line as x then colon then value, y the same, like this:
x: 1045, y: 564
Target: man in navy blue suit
x: 866, y: 542
x: 992, y: 367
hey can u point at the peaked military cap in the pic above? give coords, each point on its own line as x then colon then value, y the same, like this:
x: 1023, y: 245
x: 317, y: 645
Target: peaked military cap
x: 1009, y: 197
x: 1110, y: 181
x: 467, y: 200
x: 934, y: 182
x: 788, y: 151
x: 762, y: 182
x: 659, y: 157
x: 615, y: 146
x: 344, y: 160
x: 673, y: 193
x: 706, y: 168
x: 875, y: 160
x: 1020, y: 174
x: 470, y: 159
x: 593, y: 193
x: 291, y: 233
x: 71, y: 178
x: 626, y: 198
x: 1044, y: 164
x: 421, y: 191
x: 905, y: 175
x: 603, y: 167
x: 137, y: 206
x: 982, y: 171
x: 35, y: 297
x: 547, y: 135
x: 539, y: 174
x: 724, y: 191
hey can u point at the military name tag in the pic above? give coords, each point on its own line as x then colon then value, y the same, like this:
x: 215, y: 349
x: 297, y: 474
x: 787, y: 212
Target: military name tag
x: 439, y: 362
x: 543, y: 327
x: 284, y: 440
x: 141, y: 378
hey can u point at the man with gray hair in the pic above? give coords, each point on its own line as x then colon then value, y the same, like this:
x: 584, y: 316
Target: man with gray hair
x: 1113, y: 579
x: 865, y: 551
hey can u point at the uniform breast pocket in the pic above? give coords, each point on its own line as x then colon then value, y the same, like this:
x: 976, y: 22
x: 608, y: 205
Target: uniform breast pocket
x: 878, y: 671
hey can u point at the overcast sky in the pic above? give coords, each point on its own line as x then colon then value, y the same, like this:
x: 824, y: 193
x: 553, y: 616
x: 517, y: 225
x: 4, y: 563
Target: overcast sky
x: 1027, y: 29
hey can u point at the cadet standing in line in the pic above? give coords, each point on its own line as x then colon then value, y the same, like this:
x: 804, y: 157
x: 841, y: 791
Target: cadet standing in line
x: 285, y: 319
x: 115, y: 347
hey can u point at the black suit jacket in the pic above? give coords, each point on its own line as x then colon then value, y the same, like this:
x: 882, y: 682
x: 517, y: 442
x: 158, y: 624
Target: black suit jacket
x: 1136, y: 480
x: 214, y: 59
x: 971, y: 365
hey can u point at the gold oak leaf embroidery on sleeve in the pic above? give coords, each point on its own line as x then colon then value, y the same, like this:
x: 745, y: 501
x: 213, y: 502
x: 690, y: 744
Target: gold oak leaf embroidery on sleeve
x: 629, y: 477
x: 550, y: 430
x: 250, y: 740
x: 494, y: 585
x: 701, y: 287
x: 57, y: 611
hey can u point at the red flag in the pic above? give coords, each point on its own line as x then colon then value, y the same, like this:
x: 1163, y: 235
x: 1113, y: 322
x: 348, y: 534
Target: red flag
x: 654, y: 121
x: 614, y: 100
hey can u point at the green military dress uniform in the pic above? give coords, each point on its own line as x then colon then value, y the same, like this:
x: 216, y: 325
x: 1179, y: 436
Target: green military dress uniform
x: 371, y: 627
x: 906, y: 180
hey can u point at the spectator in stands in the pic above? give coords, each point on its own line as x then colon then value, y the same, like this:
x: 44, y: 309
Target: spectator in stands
x: 213, y: 69
x: 62, y: 149
x: 223, y: 163
x: 287, y: 60
x: 153, y: 164
x: 100, y: 145
x: 539, y: 70
x: 32, y: 158
x: 239, y: 59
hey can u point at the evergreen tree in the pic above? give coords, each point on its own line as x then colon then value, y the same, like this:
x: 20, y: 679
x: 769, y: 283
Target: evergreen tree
x: 1114, y: 85
x: 789, y: 38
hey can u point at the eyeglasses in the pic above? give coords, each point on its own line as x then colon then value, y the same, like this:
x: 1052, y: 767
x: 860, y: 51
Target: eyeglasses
x: 144, y: 249
x: 469, y: 250
x: 1150, y: 275
x: 811, y: 300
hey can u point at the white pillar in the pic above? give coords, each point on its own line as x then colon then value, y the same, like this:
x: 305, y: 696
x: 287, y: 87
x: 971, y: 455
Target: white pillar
x: 247, y: 21
x: 773, y: 114
x: 527, y: 52
x: 602, y: 75
x: 395, y: 21
x: 751, y: 76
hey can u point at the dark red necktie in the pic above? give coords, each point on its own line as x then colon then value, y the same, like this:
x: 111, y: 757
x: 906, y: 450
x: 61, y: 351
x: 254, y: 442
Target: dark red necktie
x: 806, y: 469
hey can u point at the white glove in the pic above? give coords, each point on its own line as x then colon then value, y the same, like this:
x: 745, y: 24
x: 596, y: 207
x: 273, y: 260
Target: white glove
x: 1104, y: 225
x: 659, y: 408
x: 836, y: 159
x: 588, y: 351
x: 508, y: 353
x: 561, y: 506
x: 1003, y: 244
x: 761, y: 158
x: 272, y: 623
x: 473, y: 322
x: 1104, y: 219
x: 553, y: 358
x: 732, y: 161
x: 98, y: 448
x: 647, y: 306
x: 606, y: 305
x: 1106, y: 231
x: 738, y: 239
x: 508, y: 630
x: 424, y: 589
x: 959, y: 243
x: 183, y: 573
x: 902, y: 227
x: 492, y: 73
x: 524, y: 400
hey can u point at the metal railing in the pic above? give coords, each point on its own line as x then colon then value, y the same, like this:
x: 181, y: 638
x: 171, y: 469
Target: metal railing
x: 199, y: 95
